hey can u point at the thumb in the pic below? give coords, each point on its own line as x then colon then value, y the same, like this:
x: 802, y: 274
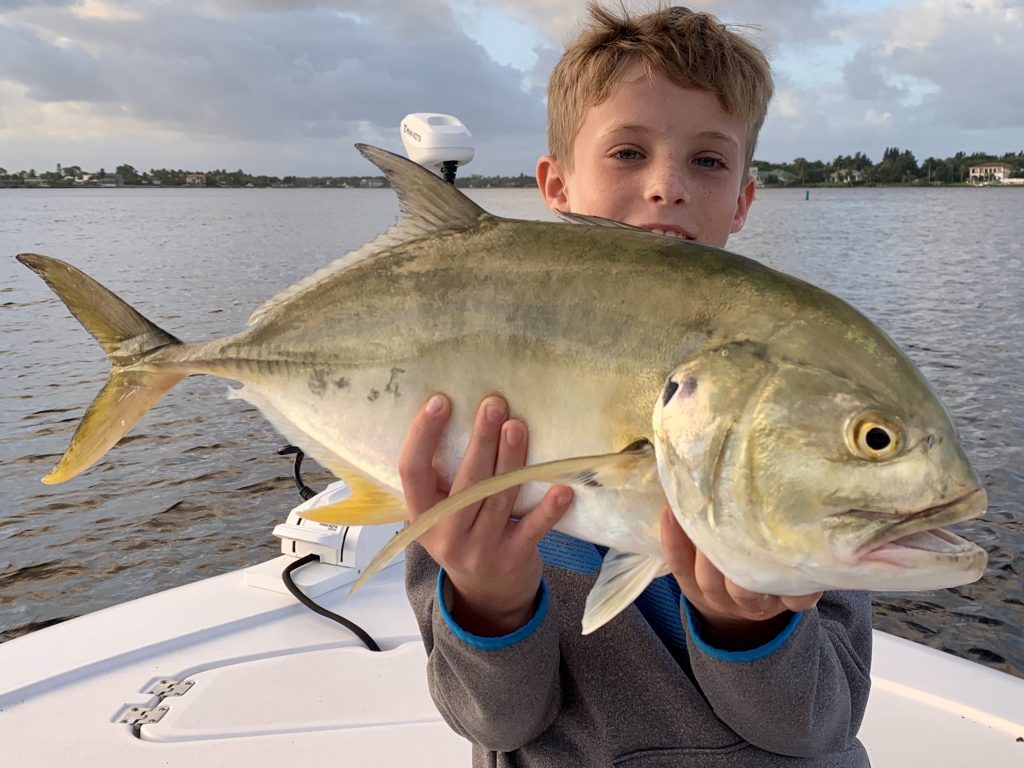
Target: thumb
x: 801, y: 602
x: 680, y: 553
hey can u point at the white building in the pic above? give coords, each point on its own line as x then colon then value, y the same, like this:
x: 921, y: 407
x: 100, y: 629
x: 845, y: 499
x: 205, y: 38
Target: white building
x: 990, y: 172
x: 846, y: 176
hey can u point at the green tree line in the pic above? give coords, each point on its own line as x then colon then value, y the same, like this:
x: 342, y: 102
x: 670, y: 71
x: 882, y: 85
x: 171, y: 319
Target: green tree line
x: 897, y: 166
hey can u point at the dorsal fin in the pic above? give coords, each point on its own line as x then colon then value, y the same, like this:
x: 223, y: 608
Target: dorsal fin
x: 598, y: 221
x: 429, y: 205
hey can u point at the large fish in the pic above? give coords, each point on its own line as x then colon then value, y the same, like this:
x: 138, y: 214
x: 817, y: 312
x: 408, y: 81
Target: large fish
x: 797, y: 445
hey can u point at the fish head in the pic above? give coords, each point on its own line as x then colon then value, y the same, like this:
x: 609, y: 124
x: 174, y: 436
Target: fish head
x: 793, y: 478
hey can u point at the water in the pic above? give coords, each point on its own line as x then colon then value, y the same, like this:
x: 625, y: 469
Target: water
x: 196, y: 489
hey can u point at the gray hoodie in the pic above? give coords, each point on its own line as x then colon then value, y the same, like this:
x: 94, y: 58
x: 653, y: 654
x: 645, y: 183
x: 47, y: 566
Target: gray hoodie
x: 645, y: 689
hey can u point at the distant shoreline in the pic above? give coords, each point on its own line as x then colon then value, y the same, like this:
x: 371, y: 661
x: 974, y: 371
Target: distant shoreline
x: 897, y: 168
x: 96, y: 187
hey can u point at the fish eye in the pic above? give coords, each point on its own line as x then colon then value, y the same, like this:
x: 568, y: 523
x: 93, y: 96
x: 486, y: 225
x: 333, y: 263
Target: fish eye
x: 875, y: 437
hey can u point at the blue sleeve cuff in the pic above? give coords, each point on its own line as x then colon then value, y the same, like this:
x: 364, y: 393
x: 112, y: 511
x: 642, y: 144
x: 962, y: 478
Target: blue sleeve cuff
x: 693, y: 621
x: 492, y: 643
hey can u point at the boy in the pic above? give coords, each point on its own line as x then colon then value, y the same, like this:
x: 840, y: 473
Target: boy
x: 653, y: 121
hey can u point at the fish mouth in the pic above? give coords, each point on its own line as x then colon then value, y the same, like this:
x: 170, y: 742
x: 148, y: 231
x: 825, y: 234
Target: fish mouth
x: 909, y: 538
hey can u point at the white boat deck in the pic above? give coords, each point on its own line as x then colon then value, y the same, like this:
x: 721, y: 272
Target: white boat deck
x: 275, y: 684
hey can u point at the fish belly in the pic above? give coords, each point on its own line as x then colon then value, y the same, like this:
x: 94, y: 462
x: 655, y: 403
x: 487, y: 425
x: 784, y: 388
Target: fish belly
x: 345, y: 416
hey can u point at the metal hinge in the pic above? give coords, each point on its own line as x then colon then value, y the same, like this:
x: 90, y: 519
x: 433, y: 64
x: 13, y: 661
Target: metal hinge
x: 165, y: 688
x: 137, y: 716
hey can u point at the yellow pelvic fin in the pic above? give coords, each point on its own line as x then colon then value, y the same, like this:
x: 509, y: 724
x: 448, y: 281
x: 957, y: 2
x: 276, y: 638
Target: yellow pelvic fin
x: 610, y: 470
x: 370, y: 503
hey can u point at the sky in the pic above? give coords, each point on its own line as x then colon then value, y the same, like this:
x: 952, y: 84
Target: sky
x: 287, y: 86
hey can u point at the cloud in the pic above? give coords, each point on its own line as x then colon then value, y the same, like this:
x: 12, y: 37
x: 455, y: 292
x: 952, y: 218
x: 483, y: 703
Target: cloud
x: 13, y: 5
x: 876, y: 118
x: 285, y: 86
x: 973, y: 55
x: 866, y: 78
x: 59, y: 70
x: 267, y: 72
x: 929, y: 75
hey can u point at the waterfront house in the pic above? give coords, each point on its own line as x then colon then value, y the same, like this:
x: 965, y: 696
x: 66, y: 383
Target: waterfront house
x: 195, y: 179
x: 989, y: 172
x: 846, y: 176
x: 775, y: 176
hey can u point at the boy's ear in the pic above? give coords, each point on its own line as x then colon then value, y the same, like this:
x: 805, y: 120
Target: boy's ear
x: 552, y: 183
x: 743, y: 203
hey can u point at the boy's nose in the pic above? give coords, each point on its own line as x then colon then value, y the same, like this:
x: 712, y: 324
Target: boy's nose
x: 667, y: 187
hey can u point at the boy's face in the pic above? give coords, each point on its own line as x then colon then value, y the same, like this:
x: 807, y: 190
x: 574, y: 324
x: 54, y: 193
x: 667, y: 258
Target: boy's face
x: 656, y: 156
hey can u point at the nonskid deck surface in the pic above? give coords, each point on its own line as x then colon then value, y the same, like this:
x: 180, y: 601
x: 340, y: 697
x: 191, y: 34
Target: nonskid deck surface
x: 272, y: 682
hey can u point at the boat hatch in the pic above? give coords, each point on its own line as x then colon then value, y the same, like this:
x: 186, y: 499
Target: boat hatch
x: 322, y: 690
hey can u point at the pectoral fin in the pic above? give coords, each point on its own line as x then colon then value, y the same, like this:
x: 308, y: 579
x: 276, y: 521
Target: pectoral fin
x: 623, y: 576
x: 634, y: 464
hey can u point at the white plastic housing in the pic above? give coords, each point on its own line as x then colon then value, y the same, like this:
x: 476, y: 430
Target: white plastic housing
x: 431, y: 139
x: 301, y: 537
x: 344, y: 550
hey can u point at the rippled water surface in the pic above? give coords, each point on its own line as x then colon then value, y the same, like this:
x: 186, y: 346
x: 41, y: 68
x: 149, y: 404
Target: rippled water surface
x: 196, y: 488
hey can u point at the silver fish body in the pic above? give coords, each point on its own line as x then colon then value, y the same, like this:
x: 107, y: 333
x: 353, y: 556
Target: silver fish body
x: 758, y: 391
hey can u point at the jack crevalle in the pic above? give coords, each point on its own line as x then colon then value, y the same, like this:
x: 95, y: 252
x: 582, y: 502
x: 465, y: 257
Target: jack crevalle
x: 797, y: 445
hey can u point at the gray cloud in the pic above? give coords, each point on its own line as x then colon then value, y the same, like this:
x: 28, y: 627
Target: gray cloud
x: 278, y: 85
x: 958, y: 65
x: 866, y: 80
x: 260, y: 74
x: 977, y: 65
x: 49, y: 72
x: 13, y: 5
x: 771, y: 24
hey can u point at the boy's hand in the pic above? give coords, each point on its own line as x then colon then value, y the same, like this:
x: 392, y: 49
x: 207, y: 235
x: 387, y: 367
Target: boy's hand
x: 491, y: 561
x: 734, y: 618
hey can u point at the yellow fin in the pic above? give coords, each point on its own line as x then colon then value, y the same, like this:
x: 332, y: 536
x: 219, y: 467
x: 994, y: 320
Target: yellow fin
x: 129, y: 339
x: 611, y: 470
x: 370, y: 503
x: 124, y: 399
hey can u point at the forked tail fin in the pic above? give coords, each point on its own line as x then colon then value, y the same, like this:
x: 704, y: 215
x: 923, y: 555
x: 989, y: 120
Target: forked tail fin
x: 128, y: 338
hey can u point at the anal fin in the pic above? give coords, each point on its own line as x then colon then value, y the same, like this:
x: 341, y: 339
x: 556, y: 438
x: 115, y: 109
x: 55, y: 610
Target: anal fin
x: 370, y: 502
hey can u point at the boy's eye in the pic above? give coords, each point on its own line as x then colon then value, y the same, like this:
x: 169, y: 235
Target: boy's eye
x: 707, y: 161
x: 627, y: 154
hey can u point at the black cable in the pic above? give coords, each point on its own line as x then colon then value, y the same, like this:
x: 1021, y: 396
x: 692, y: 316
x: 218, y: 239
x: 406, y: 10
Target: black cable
x: 298, y: 594
x: 305, y: 491
x: 286, y: 575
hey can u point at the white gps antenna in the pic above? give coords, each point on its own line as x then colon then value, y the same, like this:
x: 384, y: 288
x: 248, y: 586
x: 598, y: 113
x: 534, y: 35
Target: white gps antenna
x: 438, y: 142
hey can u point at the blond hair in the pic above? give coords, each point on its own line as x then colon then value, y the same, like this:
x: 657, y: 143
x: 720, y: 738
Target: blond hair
x: 693, y: 50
